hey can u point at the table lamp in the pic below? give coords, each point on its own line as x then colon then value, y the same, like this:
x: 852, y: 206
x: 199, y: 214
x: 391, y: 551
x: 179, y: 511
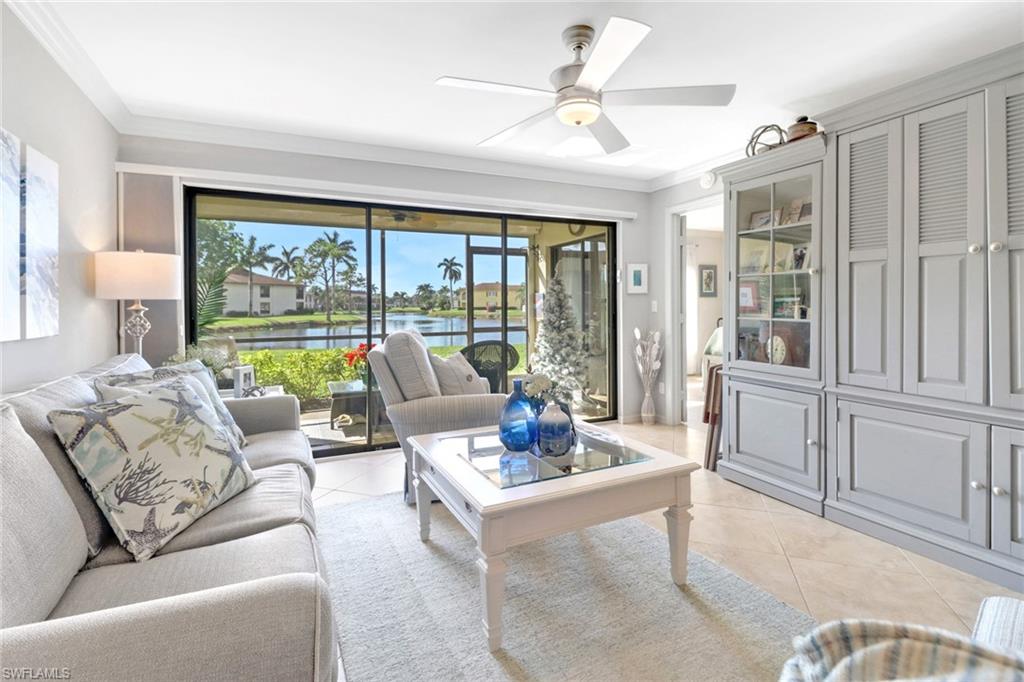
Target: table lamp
x: 137, y: 275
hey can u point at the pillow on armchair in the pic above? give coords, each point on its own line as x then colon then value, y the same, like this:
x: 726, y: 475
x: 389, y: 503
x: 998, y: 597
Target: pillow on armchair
x: 409, y: 361
x: 457, y: 377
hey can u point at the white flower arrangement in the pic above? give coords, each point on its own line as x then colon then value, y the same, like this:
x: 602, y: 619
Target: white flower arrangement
x: 539, y: 386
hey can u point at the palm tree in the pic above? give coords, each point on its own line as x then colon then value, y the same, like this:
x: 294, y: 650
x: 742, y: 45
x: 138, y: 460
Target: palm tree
x: 333, y: 251
x: 451, y: 270
x: 425, y: 297
x: 286, y: 265
x: 254, y: 256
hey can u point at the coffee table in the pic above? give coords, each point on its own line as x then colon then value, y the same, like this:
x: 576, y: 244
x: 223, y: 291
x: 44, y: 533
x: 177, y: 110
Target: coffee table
x: 506, y: 499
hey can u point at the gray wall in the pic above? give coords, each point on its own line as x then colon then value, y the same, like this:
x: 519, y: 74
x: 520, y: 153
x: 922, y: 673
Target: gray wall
x: 408, y: 184
x: 46, y: 110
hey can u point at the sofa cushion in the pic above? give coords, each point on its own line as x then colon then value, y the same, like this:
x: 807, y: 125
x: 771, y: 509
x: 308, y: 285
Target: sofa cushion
x: 409, y: 361
x: 288, y: 549
x: 282, y: 496
x: 457, y: 377
x: 193, y: 368
x: 41, y: 535
x: 125, y: 363
x: 278, y: 447
x: 155, y: 462
x: 32, y: 407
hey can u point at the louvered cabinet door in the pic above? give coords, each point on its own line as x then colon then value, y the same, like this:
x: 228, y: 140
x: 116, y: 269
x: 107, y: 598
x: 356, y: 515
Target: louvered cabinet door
x: 944, y: 251
x: 870, y: 256
x: 1006, y: 241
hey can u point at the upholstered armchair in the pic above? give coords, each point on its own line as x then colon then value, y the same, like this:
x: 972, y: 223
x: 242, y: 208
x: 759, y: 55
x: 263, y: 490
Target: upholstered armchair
x: 403, y: 369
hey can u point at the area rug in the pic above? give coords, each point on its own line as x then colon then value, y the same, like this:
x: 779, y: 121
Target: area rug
x: 597, y: 604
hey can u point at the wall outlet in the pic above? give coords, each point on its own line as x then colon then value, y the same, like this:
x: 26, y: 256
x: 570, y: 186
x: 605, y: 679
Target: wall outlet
x: 654, y: 306
x: 661, y: 388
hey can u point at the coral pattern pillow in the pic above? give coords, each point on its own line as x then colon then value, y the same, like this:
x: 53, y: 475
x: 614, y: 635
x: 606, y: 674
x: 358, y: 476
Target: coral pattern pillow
x: 191, y: 368
x: 154, y: 462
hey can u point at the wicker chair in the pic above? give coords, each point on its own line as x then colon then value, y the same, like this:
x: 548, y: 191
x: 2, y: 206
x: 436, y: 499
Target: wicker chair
x: 486, y: 356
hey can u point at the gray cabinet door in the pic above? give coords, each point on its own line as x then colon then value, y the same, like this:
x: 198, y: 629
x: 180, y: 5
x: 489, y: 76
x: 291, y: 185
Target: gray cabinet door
x: 776, y: 431
x: 944, y: 251
x: 920, y: 469
x: 1006, y: 241
x: 870, y: 256
x: 1008, y: 491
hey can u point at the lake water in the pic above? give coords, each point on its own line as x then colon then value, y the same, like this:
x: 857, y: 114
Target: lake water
x: 452, y: 332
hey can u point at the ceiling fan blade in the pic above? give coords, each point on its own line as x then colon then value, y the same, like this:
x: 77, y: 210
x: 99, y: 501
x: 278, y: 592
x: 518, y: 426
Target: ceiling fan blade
x: 607, y: 135
x: 515, y: 129
x: 618, y: 40
x: 489, y: 86
x: 691, y: 96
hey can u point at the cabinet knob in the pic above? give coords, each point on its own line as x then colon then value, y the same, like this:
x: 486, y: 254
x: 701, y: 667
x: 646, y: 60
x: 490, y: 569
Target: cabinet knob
x: 974, y: 248
x: 995, y: 247
x: 978, y: 485
x: 999, y: 492
x: 813, y: 271
x: 811, y: 442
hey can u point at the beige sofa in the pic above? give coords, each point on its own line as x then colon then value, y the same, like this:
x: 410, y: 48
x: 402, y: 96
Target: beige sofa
x: 240, y: 594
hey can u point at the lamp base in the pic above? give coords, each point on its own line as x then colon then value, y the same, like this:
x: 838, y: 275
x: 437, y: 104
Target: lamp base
x: 137, y: 325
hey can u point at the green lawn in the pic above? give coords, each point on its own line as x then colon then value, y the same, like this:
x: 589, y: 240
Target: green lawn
x: 232, y: 323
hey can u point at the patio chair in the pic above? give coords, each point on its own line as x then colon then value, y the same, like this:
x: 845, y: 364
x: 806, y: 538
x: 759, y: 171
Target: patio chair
x: 485, y: 357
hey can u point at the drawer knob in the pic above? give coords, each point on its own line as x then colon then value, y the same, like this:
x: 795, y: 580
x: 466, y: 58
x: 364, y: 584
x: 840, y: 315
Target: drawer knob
x: 974, y: 248
x: 811, y: 442
x: 995, y: 247
x: 978, y: 485
x: 468, y: 507
x: 813, y: 271
x: 999, y: 492
x: 431, y: 467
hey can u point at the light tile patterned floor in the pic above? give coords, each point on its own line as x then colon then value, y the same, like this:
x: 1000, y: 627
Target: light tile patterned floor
x: 806, y: 561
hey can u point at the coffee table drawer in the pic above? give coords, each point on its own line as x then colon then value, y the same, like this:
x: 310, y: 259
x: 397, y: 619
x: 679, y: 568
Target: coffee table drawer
x: 452, y: 498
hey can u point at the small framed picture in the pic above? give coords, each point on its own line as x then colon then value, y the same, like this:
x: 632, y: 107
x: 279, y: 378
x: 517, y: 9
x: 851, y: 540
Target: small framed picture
x: 636, y: 278
x: 245, y: 378
x: 748, y: 299
x: 760, y: 219
x: 805, y: 211
x: 708, y: 280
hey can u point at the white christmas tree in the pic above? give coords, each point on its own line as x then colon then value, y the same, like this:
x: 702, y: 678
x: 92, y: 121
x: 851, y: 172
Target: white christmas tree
x: 560, y: 354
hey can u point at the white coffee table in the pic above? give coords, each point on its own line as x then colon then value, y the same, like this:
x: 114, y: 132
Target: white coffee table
x: 506, y: 499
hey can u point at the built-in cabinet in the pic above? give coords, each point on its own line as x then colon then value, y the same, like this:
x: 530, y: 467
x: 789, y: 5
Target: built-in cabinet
x: 907, y: 418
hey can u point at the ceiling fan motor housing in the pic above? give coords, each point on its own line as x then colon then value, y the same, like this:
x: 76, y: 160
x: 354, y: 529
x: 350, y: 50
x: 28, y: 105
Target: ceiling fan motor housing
x: 574, y: 106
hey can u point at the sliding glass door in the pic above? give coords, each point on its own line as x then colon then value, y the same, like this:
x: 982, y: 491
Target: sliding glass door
x: 299, y: 288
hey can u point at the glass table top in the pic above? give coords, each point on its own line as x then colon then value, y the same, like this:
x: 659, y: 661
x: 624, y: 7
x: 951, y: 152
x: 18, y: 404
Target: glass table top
x: 596, y: 449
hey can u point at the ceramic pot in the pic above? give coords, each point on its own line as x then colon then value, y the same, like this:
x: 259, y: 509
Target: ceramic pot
x: 555, y: 435
x: 517, y: 427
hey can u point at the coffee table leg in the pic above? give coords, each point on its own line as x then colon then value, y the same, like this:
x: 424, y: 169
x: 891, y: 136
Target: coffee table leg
x: 422, y: 506
x: 492, y: 587
x: 678, y: 538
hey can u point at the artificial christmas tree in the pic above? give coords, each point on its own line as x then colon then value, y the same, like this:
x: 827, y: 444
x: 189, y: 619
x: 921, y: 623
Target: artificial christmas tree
x: 560, y: 354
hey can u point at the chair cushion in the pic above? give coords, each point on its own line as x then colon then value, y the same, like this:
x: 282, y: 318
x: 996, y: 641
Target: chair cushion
x: 193, y: 368
x: 41, y: 535
x: 456, y: 376
x: 279, y: 447
x: 409, y: 361
x: 282, y: 495
x: 155, y: 462
x: 288, y: 549
x: 32, y: 407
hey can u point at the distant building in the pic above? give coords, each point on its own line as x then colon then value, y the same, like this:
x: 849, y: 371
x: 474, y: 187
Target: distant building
x: 270, y: 295
x: 487, y: 296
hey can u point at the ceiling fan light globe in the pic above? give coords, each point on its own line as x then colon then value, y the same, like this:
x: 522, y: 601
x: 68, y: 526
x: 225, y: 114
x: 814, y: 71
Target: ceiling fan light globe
x: 578, y: 111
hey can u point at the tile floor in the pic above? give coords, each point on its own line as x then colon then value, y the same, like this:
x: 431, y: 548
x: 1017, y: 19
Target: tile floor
x: 806, y: 561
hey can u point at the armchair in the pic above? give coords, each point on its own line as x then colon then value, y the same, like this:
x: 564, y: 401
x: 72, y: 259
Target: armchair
x: 431, y: 414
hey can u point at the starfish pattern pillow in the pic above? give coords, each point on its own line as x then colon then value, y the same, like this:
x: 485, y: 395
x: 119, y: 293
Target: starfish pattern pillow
x: 192, y: 368
x: 155, y: 462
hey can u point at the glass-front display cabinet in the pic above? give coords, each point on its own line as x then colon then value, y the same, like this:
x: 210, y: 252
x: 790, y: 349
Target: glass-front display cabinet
x: 776, y: 228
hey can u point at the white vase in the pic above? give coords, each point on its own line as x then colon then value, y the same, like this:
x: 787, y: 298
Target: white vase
x: 647, y: 413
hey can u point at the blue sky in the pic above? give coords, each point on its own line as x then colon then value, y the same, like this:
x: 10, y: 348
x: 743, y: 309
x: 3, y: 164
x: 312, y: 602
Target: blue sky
x: 412, y: 257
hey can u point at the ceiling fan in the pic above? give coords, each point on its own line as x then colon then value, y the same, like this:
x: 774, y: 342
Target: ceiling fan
x: 578, y: 96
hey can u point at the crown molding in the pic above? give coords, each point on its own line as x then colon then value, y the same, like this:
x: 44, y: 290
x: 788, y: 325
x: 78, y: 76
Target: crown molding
x: 43, y: 23
x: 789, y: 155
x: 691, y: 172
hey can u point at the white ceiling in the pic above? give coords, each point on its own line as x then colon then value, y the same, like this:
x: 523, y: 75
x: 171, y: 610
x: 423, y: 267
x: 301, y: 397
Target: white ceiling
x: 364, y: 72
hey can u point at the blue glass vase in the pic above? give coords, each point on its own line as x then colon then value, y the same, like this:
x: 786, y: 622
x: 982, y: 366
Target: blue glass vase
x: 517, y: 427
x: 555, y: 433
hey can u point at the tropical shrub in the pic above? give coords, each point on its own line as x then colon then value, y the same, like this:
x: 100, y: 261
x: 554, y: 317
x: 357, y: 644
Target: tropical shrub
x: 303, y: 373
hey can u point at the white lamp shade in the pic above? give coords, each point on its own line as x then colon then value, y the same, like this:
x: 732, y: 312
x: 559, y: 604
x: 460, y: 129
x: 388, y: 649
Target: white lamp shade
x: 130, y: 275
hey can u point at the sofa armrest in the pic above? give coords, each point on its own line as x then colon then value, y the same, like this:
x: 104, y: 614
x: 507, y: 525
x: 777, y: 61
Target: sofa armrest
x: 273, y: 628
x: 446, y: 413
x: 269, y: 413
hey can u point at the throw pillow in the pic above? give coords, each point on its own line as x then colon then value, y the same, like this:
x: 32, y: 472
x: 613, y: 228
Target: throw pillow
x: 108, y: 393
x: 457, y: 376
x: 409, y: 361
x: 154, y: 462
x: 193, y: 368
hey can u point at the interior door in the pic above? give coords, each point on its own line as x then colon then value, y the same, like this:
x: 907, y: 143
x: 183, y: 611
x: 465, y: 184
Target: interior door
x: 944, y: 254
x: 870, y: 253
x: 1008, y: 491
x: 1006, y: 241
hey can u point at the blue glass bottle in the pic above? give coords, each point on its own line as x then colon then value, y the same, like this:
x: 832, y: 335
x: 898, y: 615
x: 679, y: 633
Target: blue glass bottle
x: 517, y: 428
